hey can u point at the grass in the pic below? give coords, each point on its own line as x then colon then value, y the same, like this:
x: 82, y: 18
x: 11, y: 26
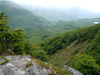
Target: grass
x: 63, y: 57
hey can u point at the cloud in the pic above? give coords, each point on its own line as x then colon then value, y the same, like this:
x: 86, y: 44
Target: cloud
x: 88, y: 4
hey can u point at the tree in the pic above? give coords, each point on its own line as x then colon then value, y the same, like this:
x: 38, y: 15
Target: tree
x: 18, y: 41
x: 11, y: 39
x: 85, y: 64
x: 40, y: 54
x: 94, y: 48
x: 5, y: 33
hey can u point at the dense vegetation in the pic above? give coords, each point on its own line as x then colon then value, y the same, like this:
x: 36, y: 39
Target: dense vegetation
x: 38, y: 35
x: 86, y: 64
x: 15, y: 41
x: 62, y: 26
x: 94, y: 48
x: 10, y: 38
x: 86, y: 60
x: 53, y: 44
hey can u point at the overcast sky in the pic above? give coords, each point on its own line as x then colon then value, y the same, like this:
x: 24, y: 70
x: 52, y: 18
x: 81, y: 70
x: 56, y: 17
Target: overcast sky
x: 93, y: 5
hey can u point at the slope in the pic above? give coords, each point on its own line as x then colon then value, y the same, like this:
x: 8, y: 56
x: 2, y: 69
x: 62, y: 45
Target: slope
x: 62, y: 26
x: 21, y: 17
x: 35, y: 26
x: 77, y: 48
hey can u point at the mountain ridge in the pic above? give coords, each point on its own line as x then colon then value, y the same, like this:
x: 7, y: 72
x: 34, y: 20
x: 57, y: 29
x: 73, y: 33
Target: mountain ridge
x: 17, y: 13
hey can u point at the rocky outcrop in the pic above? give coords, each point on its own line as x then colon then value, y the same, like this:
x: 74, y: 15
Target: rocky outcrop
x: 22, y: 65
x: 10, y: 69
x: 75, y: 72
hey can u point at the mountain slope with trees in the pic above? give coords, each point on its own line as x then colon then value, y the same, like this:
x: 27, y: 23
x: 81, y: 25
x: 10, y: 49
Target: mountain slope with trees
x: 62, y: 26
x: 21, y: 17
x: 37, y: 28
x: 15, y: 41
x: 77, y: 48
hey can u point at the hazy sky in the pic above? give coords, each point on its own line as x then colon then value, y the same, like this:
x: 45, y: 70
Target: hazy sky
x: 93, y: 5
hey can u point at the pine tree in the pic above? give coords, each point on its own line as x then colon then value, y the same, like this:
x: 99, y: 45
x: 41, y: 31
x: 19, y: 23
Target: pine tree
x: 11, y: 39
x: 4, y: 31
x: 18, y: 41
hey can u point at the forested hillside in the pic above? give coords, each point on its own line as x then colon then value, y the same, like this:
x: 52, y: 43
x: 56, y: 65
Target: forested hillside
x: 15, y: 41
x: 21, y: 17
x: 37, y: 28
x: 78, y: 48
x: 62, y: 26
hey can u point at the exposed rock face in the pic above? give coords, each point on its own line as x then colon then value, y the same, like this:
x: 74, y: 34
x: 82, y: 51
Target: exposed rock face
x: 37, y: 70
x: 10, y: 69
x: 18, y: 66
x: 75, y: 72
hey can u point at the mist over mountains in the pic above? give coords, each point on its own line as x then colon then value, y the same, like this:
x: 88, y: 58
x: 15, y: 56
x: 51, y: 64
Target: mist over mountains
x: 66, y: 14
x: 21, y: 17
x: 53, y: 14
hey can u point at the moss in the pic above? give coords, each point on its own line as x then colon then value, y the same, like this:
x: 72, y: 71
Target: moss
x: 41, y: 63
x: 60, y: 71
x: 52, y: 73
x: 6, y: 60
x: 28, y: 65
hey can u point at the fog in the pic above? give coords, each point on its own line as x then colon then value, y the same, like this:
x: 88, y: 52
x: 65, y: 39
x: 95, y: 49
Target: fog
x: 93, y: 5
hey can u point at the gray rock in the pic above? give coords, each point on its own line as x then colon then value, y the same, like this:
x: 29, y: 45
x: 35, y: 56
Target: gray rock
x: 75, y: 72
x: 18, y: 66
x: 36, y: 69
x: 2, y: 60
x: 10, y: 69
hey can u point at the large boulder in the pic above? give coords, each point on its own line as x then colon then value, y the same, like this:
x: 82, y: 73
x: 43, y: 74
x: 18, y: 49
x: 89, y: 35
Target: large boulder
x: 22, y: 65
x: 10, y: 69
x: 36, y: 69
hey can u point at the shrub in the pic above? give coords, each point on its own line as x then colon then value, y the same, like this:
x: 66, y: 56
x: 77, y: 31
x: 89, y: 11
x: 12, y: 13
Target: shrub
x: 40, y: 54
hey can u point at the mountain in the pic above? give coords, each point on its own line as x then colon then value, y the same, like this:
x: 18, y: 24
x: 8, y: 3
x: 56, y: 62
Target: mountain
x: 21, y: 17
x: 62, y: 26
x: 38, y: 35
x: 36, y: 27
x: 66, y: 14
x: 78, y: 48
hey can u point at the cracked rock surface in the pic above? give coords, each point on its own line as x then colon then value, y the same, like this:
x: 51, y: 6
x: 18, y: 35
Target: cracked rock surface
x: 17, y: 65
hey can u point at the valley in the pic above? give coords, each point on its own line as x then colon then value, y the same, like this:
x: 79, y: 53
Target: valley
x: 51, y: 38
